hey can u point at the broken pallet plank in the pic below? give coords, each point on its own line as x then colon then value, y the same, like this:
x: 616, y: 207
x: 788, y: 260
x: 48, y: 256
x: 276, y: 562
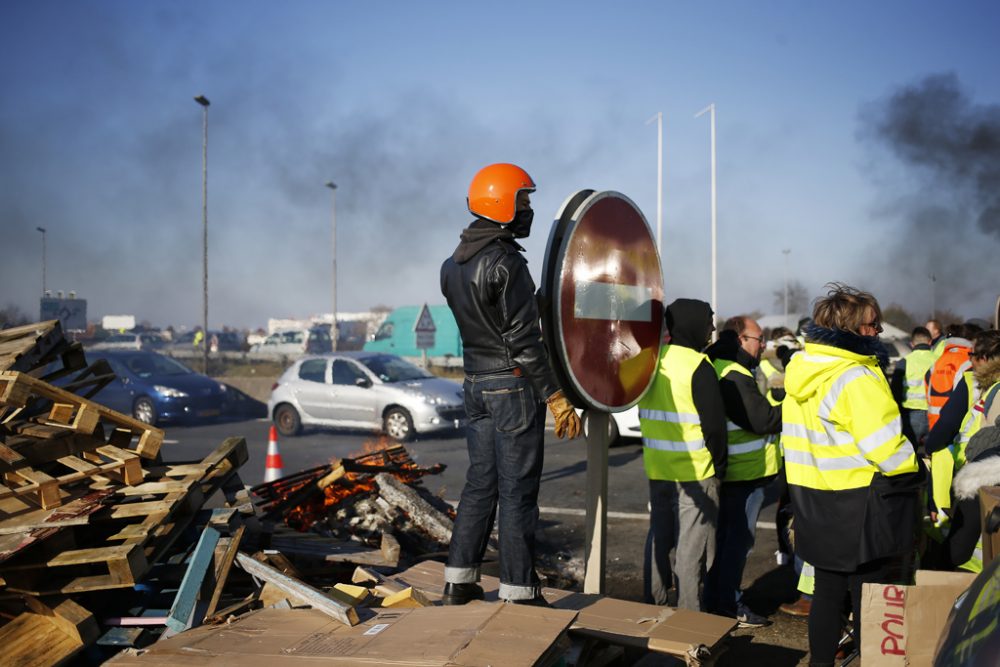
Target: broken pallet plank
x: 316, y: 598
x: 223, y: 569
x: 74, y: 412
x: 183, y: 613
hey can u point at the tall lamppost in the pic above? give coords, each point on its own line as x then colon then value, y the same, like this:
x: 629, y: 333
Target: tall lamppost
x: 42, y: 230
x: 933, y: 296
x: 333, y: 283
x: 711, y: 109
x: 203, y: 101
x: 659, y: 179
x: 785, y: 252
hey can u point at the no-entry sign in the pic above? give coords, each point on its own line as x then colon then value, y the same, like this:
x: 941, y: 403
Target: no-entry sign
x: 602, y: 292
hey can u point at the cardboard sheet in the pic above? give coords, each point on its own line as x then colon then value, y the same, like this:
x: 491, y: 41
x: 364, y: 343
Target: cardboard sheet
x: 473, y: 635
x: 901, y: 625
x: 678, y: 632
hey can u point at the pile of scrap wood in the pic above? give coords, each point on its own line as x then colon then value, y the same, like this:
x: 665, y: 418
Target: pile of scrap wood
x: 91, y: 518
x: 108, y: 551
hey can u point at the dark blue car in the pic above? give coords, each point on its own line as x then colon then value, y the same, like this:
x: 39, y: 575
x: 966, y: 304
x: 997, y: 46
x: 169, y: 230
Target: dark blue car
x: 154, y: 388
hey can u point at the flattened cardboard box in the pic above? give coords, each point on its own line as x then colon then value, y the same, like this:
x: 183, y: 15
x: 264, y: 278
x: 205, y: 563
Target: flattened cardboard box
x: 989, y: 498
x: 901, y: 625
x: 679, y: 632
x: 477, y: 634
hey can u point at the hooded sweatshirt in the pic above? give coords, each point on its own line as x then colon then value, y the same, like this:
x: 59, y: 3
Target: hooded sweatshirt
x: 689, y: 322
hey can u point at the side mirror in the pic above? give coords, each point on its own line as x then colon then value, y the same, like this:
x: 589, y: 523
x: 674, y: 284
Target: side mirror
x: 364, y: 383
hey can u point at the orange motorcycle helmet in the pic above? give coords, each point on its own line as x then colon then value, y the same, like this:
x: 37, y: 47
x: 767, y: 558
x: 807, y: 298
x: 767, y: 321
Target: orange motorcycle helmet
x: 493, y: 191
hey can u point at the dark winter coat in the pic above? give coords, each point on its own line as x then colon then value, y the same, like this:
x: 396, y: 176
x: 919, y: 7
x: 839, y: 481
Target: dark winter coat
x: 491, y: 293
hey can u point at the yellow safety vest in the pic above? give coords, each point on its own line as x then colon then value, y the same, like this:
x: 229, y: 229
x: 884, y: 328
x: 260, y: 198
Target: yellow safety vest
x: 975, y: 562
x: 946, y: 462
x: 751, y: 456
x: 770, y: 371
x: 840, y: 424
x: 673, y: 445
x: 917, y: 364
x: 807, y: 579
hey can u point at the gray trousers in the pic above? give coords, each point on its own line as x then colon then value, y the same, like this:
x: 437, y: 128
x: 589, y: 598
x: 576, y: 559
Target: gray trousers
x: 680, y: 546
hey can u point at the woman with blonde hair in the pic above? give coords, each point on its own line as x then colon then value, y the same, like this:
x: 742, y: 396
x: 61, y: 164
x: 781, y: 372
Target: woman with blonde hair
x: 853, y: 478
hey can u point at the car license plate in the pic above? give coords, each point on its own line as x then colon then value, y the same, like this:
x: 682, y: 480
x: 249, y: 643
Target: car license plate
x: 215, y: 412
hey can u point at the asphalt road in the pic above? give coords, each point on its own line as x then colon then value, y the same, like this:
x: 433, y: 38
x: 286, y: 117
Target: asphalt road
x: 562, y: 530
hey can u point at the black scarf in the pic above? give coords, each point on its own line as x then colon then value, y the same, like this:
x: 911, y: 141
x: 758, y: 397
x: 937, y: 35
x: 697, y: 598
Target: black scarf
x: 477, y: 236
x: 869, y: 346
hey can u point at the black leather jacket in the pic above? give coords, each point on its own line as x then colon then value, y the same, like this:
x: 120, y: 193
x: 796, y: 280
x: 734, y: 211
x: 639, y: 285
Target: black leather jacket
x: 493, y: 299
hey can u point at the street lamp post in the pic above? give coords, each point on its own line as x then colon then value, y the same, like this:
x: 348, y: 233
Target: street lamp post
x: 933, y: 296
x: 333, y: 283
x: 203, y: 101
x: 711, y: 109
x: 42, y: 230
x: 785, y: 252
x: 659, y: 179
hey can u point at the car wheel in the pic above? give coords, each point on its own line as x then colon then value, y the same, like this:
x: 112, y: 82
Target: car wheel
x: 613, y: 434
x: 398, y: 425
x: 287, y: 421
x: 145, y: 411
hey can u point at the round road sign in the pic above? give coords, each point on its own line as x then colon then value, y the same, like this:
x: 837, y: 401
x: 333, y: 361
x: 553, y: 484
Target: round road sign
x: 603, y: 300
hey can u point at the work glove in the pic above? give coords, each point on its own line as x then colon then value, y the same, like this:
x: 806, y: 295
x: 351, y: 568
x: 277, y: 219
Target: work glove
x: 567, y: 421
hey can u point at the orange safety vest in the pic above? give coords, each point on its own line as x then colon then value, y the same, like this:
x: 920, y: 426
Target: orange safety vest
x: 945, y: 375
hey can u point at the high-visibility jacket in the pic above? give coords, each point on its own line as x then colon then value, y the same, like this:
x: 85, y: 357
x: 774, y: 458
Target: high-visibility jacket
x: 840, y: 424
x: 673, y: 445
x: 918, y: 363
x: 945, y: 374
x: 770, y: 372
x: 946, y: 462
x: 750, y: 456
x: 840, y: 428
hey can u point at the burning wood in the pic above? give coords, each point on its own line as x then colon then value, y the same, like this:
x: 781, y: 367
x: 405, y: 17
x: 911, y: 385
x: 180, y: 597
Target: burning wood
x: 421, y: 513
x: 344, y: 489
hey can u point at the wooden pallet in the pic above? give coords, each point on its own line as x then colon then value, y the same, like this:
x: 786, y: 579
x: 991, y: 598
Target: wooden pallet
x: 69, y: 411
x: 119, y: 543
x: 43, y: 486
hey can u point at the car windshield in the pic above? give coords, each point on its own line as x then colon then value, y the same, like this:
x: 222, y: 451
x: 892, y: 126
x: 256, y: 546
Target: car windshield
x: 150, y: 365
x: 393, y: 369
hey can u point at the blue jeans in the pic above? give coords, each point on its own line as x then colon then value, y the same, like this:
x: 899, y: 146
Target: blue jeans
x: 739, y: 508
x: 505, y: 436
x: 916, y: 421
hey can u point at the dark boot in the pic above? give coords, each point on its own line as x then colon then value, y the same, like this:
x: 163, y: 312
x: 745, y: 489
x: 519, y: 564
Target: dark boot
x: 531, y: 602
x: 461, y: 593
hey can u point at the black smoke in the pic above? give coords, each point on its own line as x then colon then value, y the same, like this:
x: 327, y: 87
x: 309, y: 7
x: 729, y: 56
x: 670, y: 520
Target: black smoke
x: 948, y: 214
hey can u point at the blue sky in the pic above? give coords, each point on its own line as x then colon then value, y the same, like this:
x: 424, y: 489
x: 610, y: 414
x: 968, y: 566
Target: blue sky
x: 400, y: 103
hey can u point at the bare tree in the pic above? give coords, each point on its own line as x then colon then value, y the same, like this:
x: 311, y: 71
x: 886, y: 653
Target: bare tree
x: 898, y: 316
x: 798, y: 297
x: 13, y: 316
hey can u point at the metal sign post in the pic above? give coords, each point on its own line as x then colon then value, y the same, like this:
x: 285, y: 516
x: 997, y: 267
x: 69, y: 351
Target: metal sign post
x: 602, y: 318
x: 425, y: 330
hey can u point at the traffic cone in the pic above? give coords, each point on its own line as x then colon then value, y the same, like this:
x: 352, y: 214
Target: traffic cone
x: 274, y: 468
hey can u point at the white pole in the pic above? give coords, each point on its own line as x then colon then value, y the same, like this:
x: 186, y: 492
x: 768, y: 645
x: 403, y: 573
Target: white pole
x: 333, y: 286
x: 659, y: 179
x: 785, y: 253
x: 203, y: 101
x: 715, y: 303
x: 44, y: 287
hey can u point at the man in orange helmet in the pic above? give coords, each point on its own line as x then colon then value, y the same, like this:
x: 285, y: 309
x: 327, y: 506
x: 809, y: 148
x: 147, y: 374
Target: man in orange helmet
x: 507, y: 376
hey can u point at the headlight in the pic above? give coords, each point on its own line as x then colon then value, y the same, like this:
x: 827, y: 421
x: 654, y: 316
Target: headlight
x: 169, y: 392
x: 427, y: 398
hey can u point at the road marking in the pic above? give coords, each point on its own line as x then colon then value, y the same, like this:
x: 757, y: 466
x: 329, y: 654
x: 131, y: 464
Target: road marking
x: 170, y: 442
x: 630, y: 516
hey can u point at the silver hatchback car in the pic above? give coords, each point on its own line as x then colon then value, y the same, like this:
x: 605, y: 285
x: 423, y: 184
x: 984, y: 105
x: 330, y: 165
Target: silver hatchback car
x: 364, y: 390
